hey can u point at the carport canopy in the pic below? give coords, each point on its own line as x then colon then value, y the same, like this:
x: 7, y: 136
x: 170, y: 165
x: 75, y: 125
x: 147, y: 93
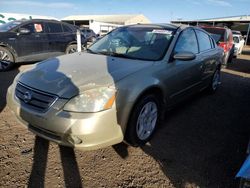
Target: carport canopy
x: 238, y: 23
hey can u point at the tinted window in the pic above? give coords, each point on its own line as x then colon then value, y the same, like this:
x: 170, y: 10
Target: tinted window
x: 54, y: 28
x: 203, y: 40
x: 66, y: 28
x: 187, y: 42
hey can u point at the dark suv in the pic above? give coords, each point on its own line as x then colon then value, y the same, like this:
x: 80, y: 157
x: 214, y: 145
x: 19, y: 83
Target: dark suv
x: 224, y: 39
x: 35, y: 40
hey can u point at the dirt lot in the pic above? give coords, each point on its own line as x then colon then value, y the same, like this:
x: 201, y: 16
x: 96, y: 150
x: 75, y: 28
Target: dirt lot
x: 201, y: 143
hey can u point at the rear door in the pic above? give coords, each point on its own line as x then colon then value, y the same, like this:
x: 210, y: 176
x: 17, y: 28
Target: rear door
x: 57, y: 42
x: 208, y: 56
x: 31, y: 46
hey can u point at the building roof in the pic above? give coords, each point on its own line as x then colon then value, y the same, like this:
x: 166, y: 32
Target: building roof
x: 119, y: 19
x: 242, y: 18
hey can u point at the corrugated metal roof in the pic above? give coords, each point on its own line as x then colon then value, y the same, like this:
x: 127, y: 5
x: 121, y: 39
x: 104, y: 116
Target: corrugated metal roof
x: 107, y: 18
x: 243, y: 18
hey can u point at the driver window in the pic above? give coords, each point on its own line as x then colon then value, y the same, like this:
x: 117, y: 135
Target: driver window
x: 34, y: 27
x: 187, y: 42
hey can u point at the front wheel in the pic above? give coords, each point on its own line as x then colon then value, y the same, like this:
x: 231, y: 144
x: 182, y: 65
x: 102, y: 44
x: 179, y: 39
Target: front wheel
x: 143, y: 120
x: 6, y: 59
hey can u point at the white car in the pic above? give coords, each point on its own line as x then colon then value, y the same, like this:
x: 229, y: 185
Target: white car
x: 238, y: 44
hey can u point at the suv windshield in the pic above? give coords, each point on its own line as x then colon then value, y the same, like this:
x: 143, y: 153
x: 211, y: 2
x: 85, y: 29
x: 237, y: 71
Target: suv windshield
x: 9, y: 25
x: 144, y: 43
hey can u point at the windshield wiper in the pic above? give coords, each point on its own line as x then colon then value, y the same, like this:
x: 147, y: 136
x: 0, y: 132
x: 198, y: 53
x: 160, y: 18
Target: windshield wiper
x: 114, y: 54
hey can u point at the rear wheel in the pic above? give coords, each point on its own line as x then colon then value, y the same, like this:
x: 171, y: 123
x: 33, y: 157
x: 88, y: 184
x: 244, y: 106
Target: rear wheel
x: 6, y: 59
x: 215, y: 82
x: 72, y: 48
x: 143, y: 120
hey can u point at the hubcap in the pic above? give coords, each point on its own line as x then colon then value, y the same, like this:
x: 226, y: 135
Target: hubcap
x: 146, y: 120
x: 4, y: 60
x: 72, y: 50
x: 216, y: 80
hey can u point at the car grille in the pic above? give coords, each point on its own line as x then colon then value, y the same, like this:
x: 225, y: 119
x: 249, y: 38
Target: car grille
x: 34, y: 99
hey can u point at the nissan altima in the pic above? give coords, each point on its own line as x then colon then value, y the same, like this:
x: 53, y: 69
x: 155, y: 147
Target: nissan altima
x: 119, y: 88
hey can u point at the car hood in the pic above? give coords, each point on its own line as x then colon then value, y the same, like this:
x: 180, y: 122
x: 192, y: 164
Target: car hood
x: 69, y: 75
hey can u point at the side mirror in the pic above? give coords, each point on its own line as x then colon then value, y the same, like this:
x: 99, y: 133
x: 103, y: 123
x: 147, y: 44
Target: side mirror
x: 184, y: 56
x: 24, y: 31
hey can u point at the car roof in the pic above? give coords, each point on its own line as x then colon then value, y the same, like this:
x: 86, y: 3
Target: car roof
x: 160, y: 26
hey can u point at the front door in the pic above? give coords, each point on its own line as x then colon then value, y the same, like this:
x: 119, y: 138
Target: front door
x: 185, y: 75
x: 32, y: 46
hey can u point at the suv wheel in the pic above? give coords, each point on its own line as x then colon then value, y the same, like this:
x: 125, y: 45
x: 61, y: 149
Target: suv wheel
x: 6, y: 59
x: 143, y: 120
x: 71, y: 49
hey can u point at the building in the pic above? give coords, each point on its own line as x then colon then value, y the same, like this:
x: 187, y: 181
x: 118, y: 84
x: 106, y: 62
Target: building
x: 104, y: 23
x: 239, y: 23
x: 7, y: 17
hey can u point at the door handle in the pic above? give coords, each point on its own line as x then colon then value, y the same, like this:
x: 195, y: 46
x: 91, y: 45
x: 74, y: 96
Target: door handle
x: 37, y: 35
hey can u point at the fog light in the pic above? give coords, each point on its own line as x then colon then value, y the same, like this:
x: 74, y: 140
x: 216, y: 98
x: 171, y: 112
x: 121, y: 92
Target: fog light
x: 74, y: 139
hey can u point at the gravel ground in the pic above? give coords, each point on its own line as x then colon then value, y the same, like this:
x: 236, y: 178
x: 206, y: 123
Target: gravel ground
x: 201, y: 143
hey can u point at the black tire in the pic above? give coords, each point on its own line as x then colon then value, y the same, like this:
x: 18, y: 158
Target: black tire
x: 7, y: 60
x: 215, y: 82
x: 72, y: 48
x: 131, y: 135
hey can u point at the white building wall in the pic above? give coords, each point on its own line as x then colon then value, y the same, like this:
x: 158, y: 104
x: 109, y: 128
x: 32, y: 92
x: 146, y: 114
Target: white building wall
x: 102, y: 27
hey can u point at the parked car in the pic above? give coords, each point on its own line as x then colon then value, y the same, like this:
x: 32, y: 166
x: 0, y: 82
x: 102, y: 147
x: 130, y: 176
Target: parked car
x: 238, y: 44
x: 89, y: 34
x: 35, y: 40
x: 119, y: 88
x: 224, y: 39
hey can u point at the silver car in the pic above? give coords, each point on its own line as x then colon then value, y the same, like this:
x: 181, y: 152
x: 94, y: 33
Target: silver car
x: 119, y: 88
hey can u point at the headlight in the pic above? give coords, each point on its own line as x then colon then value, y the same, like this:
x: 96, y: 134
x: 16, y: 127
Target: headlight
x: 93, y: 100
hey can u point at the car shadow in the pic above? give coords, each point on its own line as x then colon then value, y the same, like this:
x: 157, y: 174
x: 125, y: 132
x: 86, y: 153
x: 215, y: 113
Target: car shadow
x: 201, y: 146
x: 71, y: 172
x: 240, y: 64
x: 6, y: 79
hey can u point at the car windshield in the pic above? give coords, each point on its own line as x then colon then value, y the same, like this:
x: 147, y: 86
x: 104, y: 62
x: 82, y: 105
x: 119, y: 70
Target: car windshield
x: 236, y: 39
x: 144, y: 43
x: 9, y: 25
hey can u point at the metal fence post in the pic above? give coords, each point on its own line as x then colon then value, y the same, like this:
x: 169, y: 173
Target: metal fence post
x: 78, y: 39
x: 247, y: 34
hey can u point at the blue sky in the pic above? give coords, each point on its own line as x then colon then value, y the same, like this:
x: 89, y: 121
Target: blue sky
x: 157, y: 11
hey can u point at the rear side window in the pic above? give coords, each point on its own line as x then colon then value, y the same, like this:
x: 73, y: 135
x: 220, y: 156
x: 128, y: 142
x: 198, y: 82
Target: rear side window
x: 187, y: 42
x: 203, y: 40
x: 54, y: 28
x: 66, y: 28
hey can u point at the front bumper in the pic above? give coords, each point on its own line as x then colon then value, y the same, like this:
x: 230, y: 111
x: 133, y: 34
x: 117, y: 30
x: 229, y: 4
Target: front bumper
x: 85, y: 131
